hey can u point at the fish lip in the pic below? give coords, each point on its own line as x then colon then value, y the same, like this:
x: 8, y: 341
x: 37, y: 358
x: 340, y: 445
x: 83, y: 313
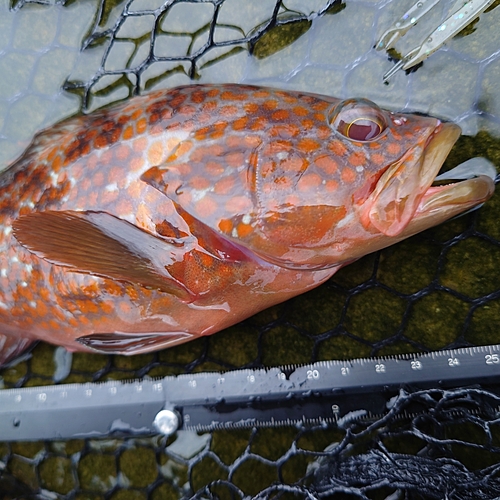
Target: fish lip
x: 437, y: 148
x: 440, y: 203
x: 466, y: 192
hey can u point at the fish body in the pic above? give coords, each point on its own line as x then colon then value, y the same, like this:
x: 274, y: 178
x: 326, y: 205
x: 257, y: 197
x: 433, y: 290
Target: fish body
x: 179, y: 213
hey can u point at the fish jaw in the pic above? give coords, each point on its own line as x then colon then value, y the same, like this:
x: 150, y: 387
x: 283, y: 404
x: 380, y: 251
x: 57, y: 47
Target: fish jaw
x: 432, y: 204
x: 444, y: 202
x: 399, y: 192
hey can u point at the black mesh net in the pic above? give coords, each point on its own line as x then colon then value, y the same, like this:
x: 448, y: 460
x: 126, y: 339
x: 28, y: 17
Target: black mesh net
x: 437, y: 290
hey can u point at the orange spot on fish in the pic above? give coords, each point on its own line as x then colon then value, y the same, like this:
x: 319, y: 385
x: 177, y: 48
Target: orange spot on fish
x: 357, y: 159
x: 213, y: 168
x: 209, y: 106
x: 128, y: 133
x: 181, y: 169
x: 203, y: 117
x: 198, y: 97
x: 321, y: 105
x: 136, y: 114
x: 107, y: 306
x: 252, y: 141
x: 25, y: 293
x: 326, y: 164
x: 73, y: 321
x: 218, y: 130
x: 295, y: 164
x: 226, y: 226
x: 307, y: 124
x: 277, y: 147
x: 233, y: 142
x: 234, y: 159
x: 124, y: 207
x: 52, y: 154
x: 300, y: 111
x: 323, y: 132
x: 281, y: 114
x: 204, y: 153
x: 57, y: 164
x: 140, y: 144
x: 109, y: 196
x: 331, y: 185
x: 224, y: 186
x: 122, y: 152
x: 206, y: 206
x: 141, y: 125
x: 201, y: 133
x: 228, y: 110
x: 44, y: 294
x: 17, y: 311
x: 233, y: 96
x: 136, y: 164
x: 199, y: 182
x: 240, y: 204
x: 270, y: 104
x: 240, y: 123
x: 98, y: 179
x: 377, y: 158
x: 309, y: 181
x: 125, y: 307
x: 244, y: 230
x: 41, y: 309
x: 285, y: 131
x: 259, y: 123
x: 92, y: 197
x: 348, y: 175
x: 307, y: 145
x: 106, y: 158
x: 251, y: 108
x: 393, y: 148
x: 336, y: 147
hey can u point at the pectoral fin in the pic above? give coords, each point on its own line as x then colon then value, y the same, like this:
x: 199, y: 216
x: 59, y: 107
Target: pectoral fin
x: 12, y: 347
x: 103, y: 245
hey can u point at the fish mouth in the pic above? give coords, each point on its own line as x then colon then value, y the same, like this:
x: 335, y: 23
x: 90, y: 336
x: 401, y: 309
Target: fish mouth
x: 465, y: 187
x: 407, y: 197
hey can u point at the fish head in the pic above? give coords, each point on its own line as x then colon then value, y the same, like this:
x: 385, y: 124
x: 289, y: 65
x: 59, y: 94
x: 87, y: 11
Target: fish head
x: 310, y: 182
x: 368, y: 185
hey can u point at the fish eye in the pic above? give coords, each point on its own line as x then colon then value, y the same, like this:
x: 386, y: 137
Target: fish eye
x: 358, y: 119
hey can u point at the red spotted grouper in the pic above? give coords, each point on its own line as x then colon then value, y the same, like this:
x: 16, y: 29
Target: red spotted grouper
x: 181, y: 212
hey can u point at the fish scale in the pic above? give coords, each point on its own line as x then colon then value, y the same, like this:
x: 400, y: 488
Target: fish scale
x: 179, y: 213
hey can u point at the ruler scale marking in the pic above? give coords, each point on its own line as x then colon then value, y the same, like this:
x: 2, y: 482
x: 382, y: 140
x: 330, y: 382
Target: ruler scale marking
x: 321, y: 392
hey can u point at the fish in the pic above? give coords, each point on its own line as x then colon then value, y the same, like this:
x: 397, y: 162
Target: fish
x: 178, y: 213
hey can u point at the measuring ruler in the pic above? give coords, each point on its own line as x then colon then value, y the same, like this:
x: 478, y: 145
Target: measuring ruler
x: 320, y: 393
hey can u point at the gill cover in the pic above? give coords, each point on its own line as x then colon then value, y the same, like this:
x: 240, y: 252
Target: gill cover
x: 255, y: 188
